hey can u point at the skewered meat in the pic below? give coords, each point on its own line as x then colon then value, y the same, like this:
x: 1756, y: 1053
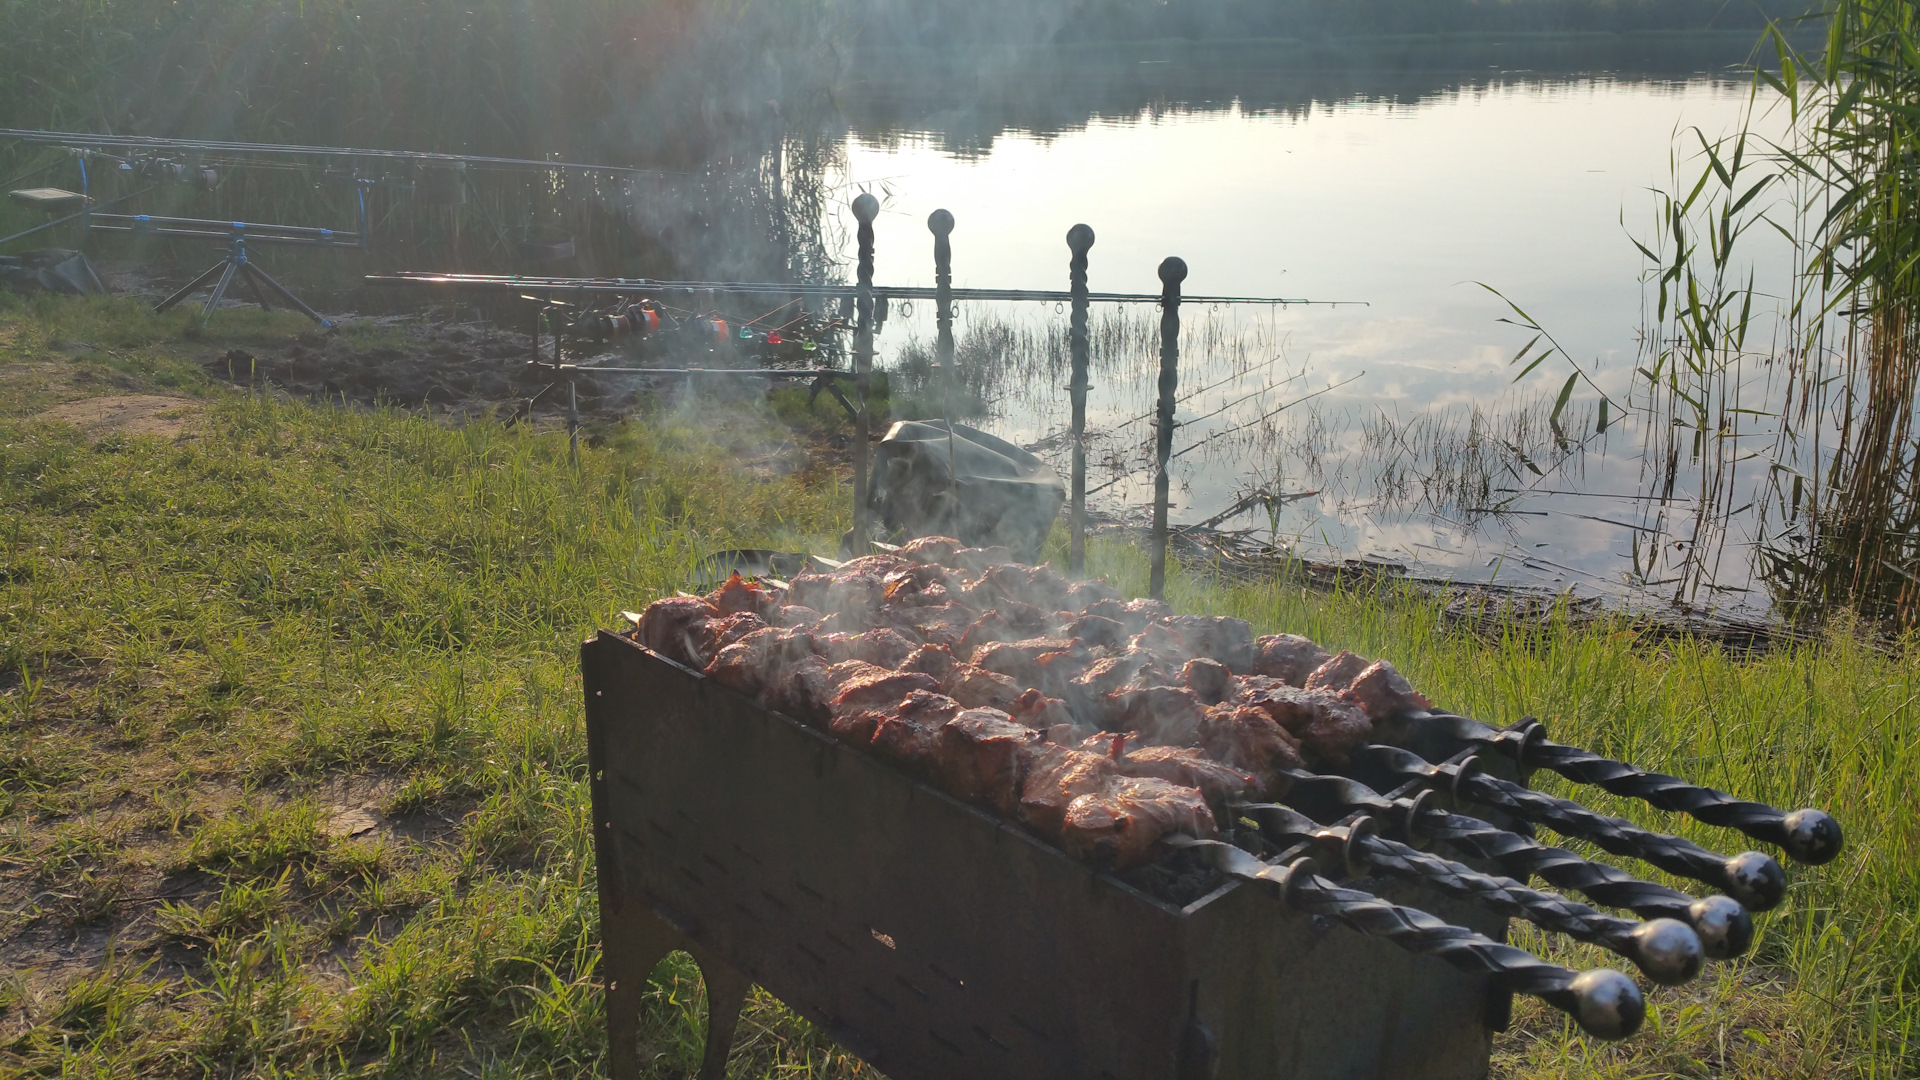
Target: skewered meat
x: 1337, y: 673
x: 801, y: 691
x: 1249, y: 739
x: 979, y: 758
x: 1326, y: 725
x: 1208, y: 679
x: 977, y: 560
x: 1084, y: 594
x: 794, y: 615
x: 865, y: 698
x: 1118, y: 824
x: 1385, y: 693
x: 932, y: 549
x: 747, y: 664
x: 1162, y: 714
x: 909, y: 733
x: 1038, y: 662
x: 1098, y: 631
x: 1132, y: 614
x: 934, y: 660
x: 1287, y: 657
x: 1190, y: 768
x: 728, y: 629
x: 1041, y: 586
x: 978, y: 688
x: 1055, y: 777
x: 1040, y: 712
x: 1216, y: 637
x: 681, y: 628
x: 885, y: 647
x: 941, y: 624
x: 738, y: 594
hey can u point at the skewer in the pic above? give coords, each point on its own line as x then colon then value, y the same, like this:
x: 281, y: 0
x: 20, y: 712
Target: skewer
x: 1807, y: 836
x: 1751, y: 877
x: 1666, y: 950
x: 1604, y: 1002
x: 1724, y: 927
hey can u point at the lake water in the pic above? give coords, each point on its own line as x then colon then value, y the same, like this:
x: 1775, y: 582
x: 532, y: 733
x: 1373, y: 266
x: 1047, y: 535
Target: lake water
x: 1400, y: 189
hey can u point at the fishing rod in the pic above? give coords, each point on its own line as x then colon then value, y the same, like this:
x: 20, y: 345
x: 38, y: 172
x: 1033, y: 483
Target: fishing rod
x: 515, y: 283
x: 87, y: 140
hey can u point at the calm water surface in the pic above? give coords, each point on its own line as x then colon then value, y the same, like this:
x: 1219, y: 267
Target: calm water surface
x: 1535, y: 184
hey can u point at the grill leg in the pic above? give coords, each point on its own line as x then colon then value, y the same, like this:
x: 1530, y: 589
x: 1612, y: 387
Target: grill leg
x: 634, y: 942
x: 727, y: 992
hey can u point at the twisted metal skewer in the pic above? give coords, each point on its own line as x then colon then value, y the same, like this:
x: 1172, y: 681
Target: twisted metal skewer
x: 1751, y: 877
x: 1808, y: 836
x: 1724, y: 927
x: 1668, y: 951
x: 1603, y: 1002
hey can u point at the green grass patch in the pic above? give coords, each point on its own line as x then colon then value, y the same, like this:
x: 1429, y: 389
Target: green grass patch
x: 217, y: 642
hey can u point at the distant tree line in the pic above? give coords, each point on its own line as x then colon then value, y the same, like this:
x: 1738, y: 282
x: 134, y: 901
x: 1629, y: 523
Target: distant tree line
x: 948, y: 22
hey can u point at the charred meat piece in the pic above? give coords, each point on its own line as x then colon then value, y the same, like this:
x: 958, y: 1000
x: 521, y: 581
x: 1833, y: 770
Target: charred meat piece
x: 863, y: 697
x: 794, y: 615
x: 921, y: 585
x: 1098, y: 631
x: 1083, y: 594
x: 747, y: 664
x: 801, y: 690
x: 909, y: 732
x: 940, y: 624
x: 1216, y: 637
x: 934, y: 660
x: 1249, y: 739
x: 737, y: 594
x: 1040, y: 712
x: 882, y: 648
x: 1209, y: 679
x: 978, y: 560
x: 1021, y: 660
x: 880, y: 564
x: 1326, y: 725
x: 843, y: 592
x: 681, y: 628
x: 1190, y: 768
x: 1161, y: 645
x: 1118, y: 825
x: 1337, y: 672
x: 1041, y: 586
x: 931, y: 549
x: 728, y: 629
x: 1384, y: 693
x: 1287, y: 657
x: 1132, y: 614
x: 1055, y: 776
x: 1167, y: 715
x: 979, y: 758
x: 989, y: 628
x: 978, y: 688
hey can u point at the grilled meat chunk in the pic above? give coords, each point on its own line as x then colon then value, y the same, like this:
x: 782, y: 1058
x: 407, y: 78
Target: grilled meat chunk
x: 1337, y: 672
x: 1385, y: 694
x: 931, y: 549
x: 1168, y: 715
x: 864, y: 698
x: 1055, y: 776
x: 1118, y: 825
x: 934, y: 660
x: 1040, y: 712
x: 1249, y: 739
x: 978, y: 560
x: 728, y: 629
x: 978, y: 688
x: 747, y: 664
x: 1190, y: 768
x: 1209, y: 679
x: 980, y: 757
x: 800, y: 690
x: 1326, y: 725
x: 1083, y: 594
x: 1216, y: 637
x: 794, y: 615
x: 1161, y: 645
x: 1132, y: 614
x: 1047, y: 663
x: 737, y: 594
x: 1041, y: 586
x: 909, y: 732
x: 681, y: 628
x: 882, y: 648
x: 1287, y: 657
x: 1098, y: 631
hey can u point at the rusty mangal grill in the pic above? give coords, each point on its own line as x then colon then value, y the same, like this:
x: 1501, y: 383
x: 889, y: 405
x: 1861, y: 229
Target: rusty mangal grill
x: 934, y: 940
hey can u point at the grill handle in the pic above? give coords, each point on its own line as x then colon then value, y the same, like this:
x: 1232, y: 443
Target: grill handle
x: 1605, y: 1003
x: 1807, y: 836
x: 1724, y: 927
x: 1752, y: 878
x: 1665, y: 950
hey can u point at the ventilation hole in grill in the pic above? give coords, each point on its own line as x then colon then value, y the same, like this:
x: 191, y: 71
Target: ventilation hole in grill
x: 835, y: 938
x: 1030, y: 1029
x: 982, y: 1032
x: 811, y: 955
x: 884, y: 939
x: 935, y: 968
x: 902, y: 980
x: 949, y: 1045
x: 868, y: 990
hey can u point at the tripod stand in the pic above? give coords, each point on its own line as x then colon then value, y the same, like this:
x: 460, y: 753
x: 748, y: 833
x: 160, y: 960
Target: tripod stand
x: 259, y: 282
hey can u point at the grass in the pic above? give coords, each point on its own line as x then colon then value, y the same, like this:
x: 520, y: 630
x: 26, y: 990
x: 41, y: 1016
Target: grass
x: 292, y: 776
